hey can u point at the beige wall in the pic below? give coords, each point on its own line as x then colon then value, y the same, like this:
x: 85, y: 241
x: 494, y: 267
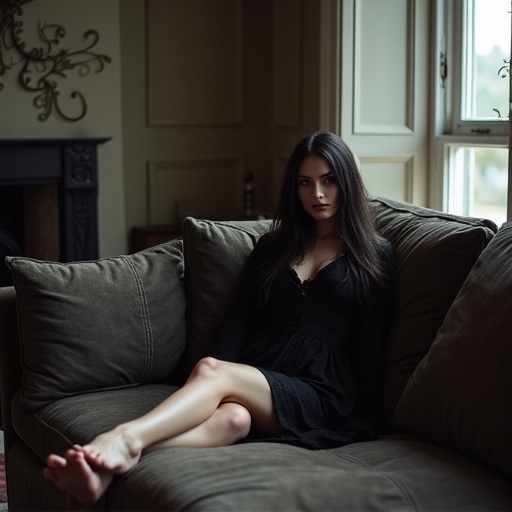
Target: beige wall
x: 296, y: 91
x: 197, y: 120
x: 178, y: 153
x: 195, y: 96
x: 229, y: 88
x: 18, y: 115
x: 181, y: 142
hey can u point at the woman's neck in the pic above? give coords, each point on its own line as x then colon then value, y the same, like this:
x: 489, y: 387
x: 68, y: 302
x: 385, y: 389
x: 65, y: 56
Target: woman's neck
x: 325, y: 230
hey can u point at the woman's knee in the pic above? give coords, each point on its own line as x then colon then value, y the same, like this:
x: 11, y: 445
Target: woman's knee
x: 207, y: 367
x: 236, y: 419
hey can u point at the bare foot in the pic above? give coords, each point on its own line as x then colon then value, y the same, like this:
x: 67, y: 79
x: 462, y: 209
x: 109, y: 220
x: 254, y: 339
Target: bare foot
x: 74, y: 475
x: 115, y: 451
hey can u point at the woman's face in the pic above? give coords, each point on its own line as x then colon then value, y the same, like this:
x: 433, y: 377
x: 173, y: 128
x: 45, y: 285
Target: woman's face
x: 319, y: 191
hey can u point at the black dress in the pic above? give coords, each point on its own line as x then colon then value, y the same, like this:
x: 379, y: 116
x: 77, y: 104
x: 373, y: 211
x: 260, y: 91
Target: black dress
x: 319, y: 349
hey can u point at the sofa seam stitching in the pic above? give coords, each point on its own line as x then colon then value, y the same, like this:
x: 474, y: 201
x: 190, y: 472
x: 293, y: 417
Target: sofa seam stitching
x: 396, y: 481
x: 145, y: 317
x: 53, y: 429
x: 403, y: 489
x: 243, y: 229
x: 353, y: 460
x: 435, y: 215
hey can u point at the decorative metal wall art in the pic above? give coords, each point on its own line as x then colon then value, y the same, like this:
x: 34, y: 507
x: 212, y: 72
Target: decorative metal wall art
x: 41, y: 67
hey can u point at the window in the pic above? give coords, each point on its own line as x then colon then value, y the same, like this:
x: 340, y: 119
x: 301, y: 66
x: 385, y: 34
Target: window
x: 472, y: 106
x: 478, y: 181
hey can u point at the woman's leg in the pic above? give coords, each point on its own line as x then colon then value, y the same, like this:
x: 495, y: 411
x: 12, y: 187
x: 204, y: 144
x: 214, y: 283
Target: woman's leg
x: 227, y: 425
x: 193, y: 413
x: 85, y: 484
x: 211, y: 383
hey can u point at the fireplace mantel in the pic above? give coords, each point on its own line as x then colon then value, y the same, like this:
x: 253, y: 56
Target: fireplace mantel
x: 71, y: 163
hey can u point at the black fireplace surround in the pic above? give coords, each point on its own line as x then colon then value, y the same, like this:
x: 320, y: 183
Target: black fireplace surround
x: 71, y: 164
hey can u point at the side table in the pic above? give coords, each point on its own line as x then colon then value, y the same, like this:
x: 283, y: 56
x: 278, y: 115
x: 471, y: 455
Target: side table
x: 143, y: 237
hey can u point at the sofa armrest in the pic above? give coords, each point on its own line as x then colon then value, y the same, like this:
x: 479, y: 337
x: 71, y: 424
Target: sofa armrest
x: 10, y: 366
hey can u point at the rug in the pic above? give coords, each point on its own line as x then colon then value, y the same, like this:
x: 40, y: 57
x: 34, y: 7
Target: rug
x: 3, y: 485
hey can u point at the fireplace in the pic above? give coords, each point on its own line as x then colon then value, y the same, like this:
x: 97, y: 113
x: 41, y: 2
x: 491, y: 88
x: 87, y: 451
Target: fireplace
x: 48, y: 199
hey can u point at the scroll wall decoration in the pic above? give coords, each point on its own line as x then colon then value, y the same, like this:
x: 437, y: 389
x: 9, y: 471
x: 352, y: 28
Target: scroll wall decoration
x: 42, y: 67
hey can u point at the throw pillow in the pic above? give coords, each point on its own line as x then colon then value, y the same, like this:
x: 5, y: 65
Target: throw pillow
x: 215, y: 253
x: 435, y: 252
x: 99, y: 325
x: 459, y: 396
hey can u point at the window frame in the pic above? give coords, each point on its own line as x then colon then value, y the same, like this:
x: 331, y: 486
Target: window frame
x: 448, y: 127
x: 460, y: 17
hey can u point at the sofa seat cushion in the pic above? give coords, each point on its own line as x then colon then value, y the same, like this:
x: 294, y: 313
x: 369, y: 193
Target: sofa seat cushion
x: 399, y: 474
x: 434, y: 477
x: 394, y: 473
x: 78, y: 419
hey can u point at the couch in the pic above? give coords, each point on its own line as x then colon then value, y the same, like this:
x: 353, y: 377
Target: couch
x: 86, y: 345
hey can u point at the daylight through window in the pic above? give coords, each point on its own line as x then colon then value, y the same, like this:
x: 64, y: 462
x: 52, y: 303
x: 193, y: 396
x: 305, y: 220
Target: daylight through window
x: 473, y: 45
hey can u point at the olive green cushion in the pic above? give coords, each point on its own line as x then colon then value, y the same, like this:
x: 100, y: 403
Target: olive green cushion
x: 435, y: 252
x: 99, y: 325
x: 460, y: 395
x: 215, y: 254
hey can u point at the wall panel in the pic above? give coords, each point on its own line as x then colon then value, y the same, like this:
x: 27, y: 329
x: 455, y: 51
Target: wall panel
x: 389, y: 176
x: 195, y: 69
x: 384, y: 72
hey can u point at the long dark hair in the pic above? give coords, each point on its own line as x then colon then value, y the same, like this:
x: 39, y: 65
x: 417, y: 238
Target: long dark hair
x: 292, y: 232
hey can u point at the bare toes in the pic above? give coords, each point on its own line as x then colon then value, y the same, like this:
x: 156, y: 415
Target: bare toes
x: 55, y: 461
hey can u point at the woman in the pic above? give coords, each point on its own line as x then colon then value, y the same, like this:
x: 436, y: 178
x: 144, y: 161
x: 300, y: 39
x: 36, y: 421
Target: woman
x: 298, y: 358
